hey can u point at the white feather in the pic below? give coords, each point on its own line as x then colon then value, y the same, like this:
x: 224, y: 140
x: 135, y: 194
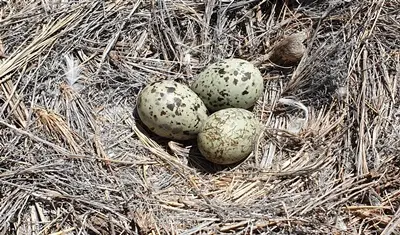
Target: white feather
x: 296, y: 124
x: 72, y: 70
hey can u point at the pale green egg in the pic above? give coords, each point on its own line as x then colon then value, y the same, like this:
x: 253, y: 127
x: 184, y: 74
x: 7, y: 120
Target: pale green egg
x: 171, y: 110
x: 229, y: 83
x: 228, y: 136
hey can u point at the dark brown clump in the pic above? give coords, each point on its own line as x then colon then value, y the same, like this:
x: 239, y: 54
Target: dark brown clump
x: 289, y: 51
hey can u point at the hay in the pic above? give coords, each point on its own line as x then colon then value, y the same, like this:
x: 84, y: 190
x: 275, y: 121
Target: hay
x: 74, y: 159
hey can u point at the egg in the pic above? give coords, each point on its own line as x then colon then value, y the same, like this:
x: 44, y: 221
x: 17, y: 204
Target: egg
x: 229, y: 83
x: 171, y: 110
x: 228, y: 136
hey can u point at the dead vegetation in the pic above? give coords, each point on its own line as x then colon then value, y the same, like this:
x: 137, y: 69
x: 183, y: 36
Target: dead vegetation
x: 75, y: 160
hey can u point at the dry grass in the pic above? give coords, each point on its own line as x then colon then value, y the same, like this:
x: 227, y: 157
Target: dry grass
x: 74, y: 159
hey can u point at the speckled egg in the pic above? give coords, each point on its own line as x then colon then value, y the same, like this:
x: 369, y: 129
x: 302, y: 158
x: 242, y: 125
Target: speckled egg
x: 229, y: 83
x: 171, y: 110
x: 228, y: 136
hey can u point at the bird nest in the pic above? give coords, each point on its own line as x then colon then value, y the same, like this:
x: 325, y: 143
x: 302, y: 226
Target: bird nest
x: 75, y: 160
